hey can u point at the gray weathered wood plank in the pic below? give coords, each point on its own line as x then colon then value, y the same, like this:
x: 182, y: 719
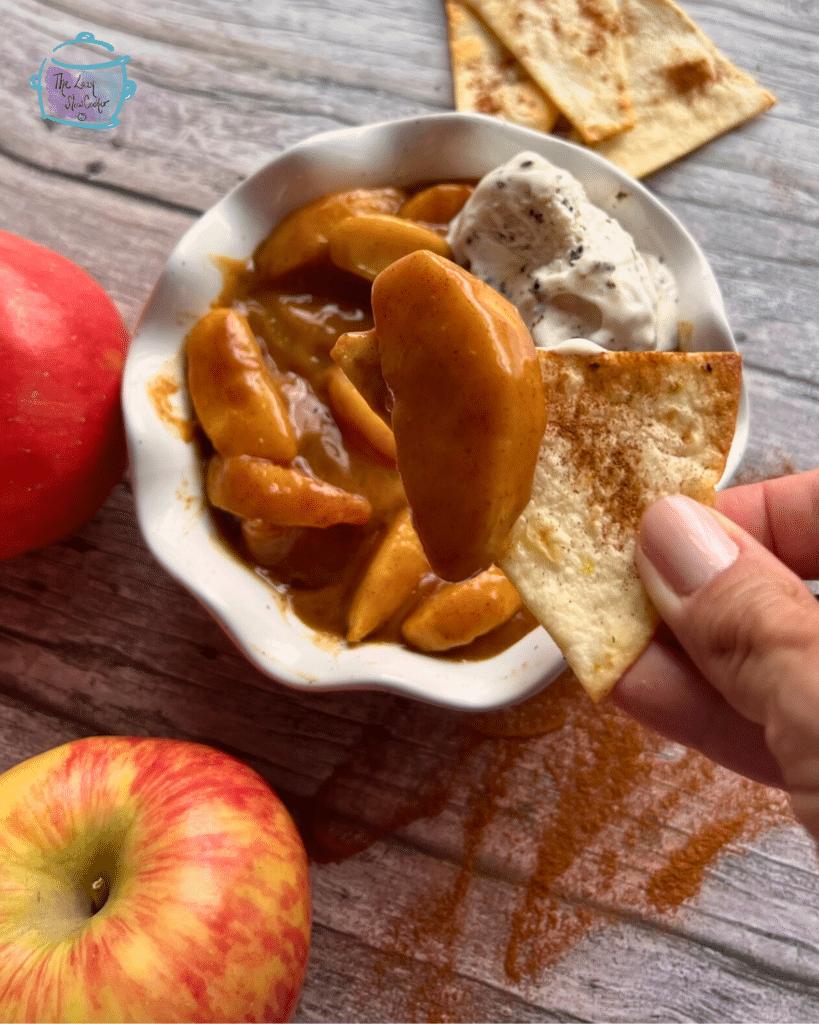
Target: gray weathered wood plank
x: 95, y: 638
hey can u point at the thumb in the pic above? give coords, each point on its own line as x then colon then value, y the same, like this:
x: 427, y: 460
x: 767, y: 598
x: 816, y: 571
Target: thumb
x: 749, y: 625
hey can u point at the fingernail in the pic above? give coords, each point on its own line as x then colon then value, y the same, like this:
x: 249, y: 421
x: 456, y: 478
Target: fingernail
x: 685, y: 543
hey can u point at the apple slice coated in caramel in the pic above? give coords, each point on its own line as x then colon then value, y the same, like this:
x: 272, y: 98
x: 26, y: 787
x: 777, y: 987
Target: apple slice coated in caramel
x: 302, y: 237
x: 459, y: 612
x: 366, y: 245
x: 467, y: 411
x: 235, y: 396
x: 254, y: 488
x: 394, y: 572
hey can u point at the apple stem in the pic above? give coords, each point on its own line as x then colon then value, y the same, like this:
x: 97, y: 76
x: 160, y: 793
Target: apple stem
x: 99, y: 893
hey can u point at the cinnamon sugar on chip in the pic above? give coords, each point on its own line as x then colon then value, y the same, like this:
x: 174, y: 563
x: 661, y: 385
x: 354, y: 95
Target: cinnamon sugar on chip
x: 622, y: 429
x: 685, y: 91
x: 573, y: 49
x: 636, y: 80
x: 487, y: 78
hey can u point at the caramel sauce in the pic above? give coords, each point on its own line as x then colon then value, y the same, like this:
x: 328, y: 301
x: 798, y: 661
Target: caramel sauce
x: 160, y: 390
x: 297, y: 318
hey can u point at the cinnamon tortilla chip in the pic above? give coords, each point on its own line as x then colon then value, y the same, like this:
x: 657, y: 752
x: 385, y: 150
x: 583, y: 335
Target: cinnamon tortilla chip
x: 685, y: 92
x: 573, y: 49
x: 486, y: 77
x: 623, y: 429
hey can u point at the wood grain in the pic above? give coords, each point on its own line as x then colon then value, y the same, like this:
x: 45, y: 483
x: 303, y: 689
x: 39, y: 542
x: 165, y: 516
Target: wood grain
x: 428, y: 836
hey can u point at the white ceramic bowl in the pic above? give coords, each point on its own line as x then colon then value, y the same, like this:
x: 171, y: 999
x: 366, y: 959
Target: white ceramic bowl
x: 167, y: 475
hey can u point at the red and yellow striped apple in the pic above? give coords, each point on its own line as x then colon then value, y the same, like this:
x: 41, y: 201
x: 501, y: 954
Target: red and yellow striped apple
x: 148, y: 880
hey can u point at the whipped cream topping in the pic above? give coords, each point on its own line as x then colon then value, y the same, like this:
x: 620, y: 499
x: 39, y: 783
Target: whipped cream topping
x: 571, y: 269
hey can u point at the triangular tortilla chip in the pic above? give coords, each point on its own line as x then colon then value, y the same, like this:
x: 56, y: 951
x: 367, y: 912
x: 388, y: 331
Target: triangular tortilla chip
x: 573, y: 49
x: 486, y: 77
x: 623, y: 429
x: 684, y: 90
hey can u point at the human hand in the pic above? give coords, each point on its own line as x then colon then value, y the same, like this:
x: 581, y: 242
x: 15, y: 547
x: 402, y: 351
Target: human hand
x: 735, y: 673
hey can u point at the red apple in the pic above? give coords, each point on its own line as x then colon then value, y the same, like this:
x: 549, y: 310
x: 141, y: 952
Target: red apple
x: 148, y: 880
x: 62, y: 348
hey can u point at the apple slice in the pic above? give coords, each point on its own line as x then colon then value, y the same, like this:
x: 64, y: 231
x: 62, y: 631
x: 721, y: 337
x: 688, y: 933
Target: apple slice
x: 467, y: 407
x: 458, y: 613
x: 252, y: 488
x: 396, y: 569
x: 303, y: 236
x: 236, y: 397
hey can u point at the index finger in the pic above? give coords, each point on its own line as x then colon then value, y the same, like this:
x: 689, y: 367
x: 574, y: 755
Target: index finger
x: 783, y: 514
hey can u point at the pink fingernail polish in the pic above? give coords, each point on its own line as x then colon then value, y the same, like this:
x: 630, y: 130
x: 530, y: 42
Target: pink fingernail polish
x: 685, y: 543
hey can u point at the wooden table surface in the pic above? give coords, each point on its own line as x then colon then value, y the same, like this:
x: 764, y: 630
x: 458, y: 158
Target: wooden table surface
x: 552, y: 863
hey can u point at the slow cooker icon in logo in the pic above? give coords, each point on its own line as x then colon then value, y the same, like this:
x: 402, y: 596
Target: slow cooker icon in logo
x: 82, y: 85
